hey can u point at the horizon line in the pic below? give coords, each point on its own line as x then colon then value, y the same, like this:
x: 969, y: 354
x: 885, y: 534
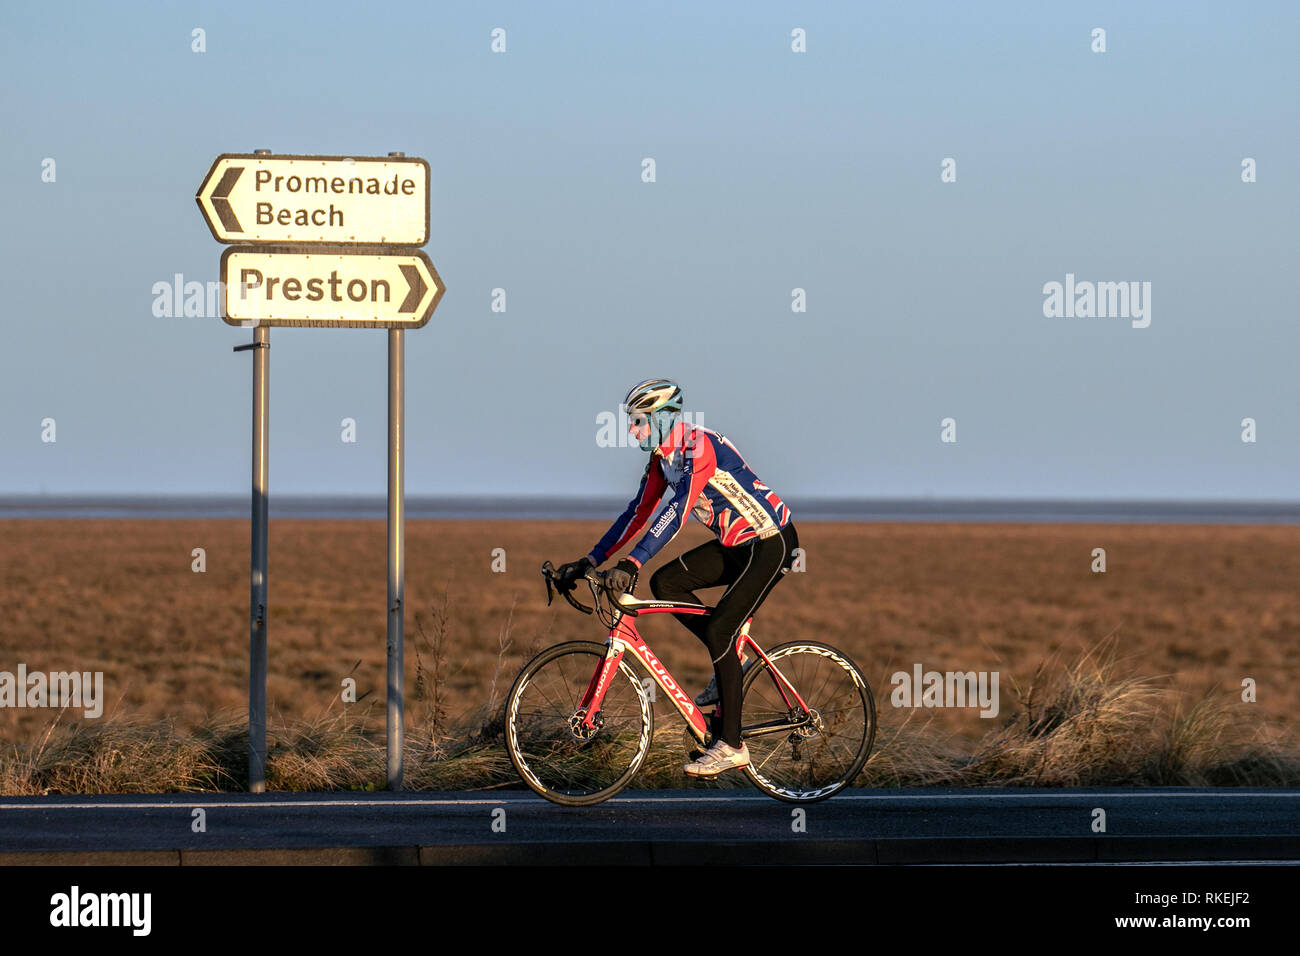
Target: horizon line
x: 558, y: 507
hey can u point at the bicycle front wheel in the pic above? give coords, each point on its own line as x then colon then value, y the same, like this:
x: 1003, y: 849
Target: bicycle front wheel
x: 547, y: 745
x: 810, y: 757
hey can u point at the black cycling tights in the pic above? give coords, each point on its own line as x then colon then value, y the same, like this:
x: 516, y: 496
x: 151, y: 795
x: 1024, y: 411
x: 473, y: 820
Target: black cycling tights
x: 750, y: 570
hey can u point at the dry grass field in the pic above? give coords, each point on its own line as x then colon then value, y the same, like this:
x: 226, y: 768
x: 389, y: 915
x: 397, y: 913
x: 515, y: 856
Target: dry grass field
x: 1192, y: 610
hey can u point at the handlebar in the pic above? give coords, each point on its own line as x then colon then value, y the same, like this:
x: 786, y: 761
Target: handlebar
x: 595, y: 580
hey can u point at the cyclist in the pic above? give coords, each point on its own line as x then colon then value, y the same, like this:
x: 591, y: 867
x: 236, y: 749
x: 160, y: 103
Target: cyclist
x: 754, y: 548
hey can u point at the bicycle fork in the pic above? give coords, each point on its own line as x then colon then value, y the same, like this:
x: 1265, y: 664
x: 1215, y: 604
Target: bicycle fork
x: 589, y: 706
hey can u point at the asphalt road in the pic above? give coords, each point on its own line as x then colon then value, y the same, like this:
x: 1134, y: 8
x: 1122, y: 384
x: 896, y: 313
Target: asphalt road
x: 656, y: 827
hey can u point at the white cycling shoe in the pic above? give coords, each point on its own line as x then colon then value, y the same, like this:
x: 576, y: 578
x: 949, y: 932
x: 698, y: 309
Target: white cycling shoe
x: 720, y: 757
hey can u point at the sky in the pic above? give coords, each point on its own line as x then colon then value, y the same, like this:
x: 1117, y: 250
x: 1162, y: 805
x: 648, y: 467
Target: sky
x: 774, y: 171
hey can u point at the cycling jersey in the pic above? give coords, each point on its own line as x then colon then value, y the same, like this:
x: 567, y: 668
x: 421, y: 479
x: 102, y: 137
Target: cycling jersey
x: 710, y: 480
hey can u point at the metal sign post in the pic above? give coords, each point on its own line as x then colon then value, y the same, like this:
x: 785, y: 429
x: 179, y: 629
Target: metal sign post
x: 328, y: 241
x: 396, y: 551
x: 257, y: 600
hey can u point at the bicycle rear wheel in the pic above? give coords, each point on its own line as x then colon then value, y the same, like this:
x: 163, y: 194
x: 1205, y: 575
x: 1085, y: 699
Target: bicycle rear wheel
x: 553, y: 758
x: 809, y: 759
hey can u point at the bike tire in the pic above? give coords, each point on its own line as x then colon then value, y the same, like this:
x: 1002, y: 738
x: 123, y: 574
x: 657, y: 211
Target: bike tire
x: 554, y: 762
x: 808, y: 766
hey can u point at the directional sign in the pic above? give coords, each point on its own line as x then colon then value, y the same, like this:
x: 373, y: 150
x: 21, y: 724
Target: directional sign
x: 251, y: 198
x: 357, y: 287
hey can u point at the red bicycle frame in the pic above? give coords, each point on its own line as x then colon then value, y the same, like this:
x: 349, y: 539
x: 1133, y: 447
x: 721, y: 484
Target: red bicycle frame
x: 623, y: 637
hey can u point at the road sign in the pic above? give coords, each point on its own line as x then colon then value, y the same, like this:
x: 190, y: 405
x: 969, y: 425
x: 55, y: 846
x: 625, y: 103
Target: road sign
x: 351, y: 287
x: 323, y: 241
x: 250, y: 198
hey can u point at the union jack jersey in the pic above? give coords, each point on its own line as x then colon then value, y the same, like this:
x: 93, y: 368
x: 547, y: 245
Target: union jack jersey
x: 711, y: 480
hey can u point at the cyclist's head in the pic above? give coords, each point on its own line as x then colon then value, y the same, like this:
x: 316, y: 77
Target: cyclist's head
x: 654, y: 407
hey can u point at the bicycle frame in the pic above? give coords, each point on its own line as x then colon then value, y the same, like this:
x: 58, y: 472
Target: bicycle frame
x: 623, y: 637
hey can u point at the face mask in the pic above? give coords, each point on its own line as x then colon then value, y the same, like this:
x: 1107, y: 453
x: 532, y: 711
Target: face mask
x: 662, y: 423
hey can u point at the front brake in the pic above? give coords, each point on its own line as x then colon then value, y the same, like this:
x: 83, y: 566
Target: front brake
x: 547, y: 568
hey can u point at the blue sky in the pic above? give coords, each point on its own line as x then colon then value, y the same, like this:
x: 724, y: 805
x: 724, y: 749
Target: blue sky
x: 775, y: 170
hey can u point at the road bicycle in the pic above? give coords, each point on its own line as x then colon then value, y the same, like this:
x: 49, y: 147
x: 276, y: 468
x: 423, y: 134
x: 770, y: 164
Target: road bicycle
x: 580, y: 715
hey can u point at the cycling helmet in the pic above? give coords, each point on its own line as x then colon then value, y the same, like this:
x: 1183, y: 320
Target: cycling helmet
x: 660, y: 400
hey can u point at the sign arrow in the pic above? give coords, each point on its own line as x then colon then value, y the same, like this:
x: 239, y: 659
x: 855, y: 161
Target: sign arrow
x: 221, y: 202
x: 348, y: 287
x: 247, y: 197
x: 417, y: 288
